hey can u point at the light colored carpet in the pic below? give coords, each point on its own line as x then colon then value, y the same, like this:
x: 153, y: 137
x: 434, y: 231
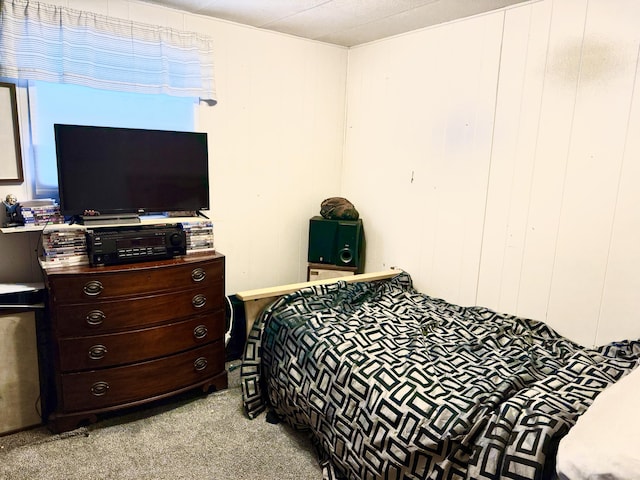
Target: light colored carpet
x: 194, y: 438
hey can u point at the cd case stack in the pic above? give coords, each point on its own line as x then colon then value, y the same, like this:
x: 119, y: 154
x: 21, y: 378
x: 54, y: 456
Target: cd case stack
x: 199, y: 235
x: 64, y: 247
x: 41, y: 212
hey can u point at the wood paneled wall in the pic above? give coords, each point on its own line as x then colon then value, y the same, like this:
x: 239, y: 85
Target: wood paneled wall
x: 495, y: 160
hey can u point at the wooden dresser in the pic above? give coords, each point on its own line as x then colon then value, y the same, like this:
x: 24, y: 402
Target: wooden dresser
x: 119, y: 336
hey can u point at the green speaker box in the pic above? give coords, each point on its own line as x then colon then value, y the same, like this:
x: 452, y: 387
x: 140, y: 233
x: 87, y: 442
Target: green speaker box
x: 336, y: 242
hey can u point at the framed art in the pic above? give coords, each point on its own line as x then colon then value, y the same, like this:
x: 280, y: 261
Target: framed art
x: 10, y: 151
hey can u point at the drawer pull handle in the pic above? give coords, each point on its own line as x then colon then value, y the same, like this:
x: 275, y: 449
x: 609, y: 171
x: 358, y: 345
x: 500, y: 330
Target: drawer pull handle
x: 199, y: 300
x: 200, y: 332
x: 200, y: 364
x: 198, y: 275
x: 92, y: 288
x: 95, y: 318
x: 99, y: 389
x: 97, y: 352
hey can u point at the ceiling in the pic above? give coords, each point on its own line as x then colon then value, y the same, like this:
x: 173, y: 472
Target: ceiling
x: 341, y: 22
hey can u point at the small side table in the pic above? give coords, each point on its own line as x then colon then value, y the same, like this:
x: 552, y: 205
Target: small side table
x: 21, y: 313
x: 323, y: 271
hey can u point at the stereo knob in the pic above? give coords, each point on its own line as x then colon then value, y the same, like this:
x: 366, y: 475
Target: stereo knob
x: 175, y: 239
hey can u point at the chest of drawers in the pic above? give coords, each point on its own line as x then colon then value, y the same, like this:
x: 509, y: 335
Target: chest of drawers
x: 119, y: 336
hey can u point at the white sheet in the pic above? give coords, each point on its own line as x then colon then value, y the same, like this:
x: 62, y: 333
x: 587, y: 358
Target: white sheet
x: 605, y: 441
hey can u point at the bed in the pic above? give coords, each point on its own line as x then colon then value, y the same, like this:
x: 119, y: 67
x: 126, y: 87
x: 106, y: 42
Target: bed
x: 394, y: 384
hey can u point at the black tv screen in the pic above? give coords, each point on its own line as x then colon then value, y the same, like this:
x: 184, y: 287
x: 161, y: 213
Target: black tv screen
x: 111, y: 170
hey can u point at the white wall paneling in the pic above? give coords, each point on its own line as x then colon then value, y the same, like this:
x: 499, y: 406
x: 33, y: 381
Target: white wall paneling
x: 609, y: 53
x: 552, y: 123
x: 620, y: 304
x: 518, y: 107
x: 545, y: 256
x: 418, y: 143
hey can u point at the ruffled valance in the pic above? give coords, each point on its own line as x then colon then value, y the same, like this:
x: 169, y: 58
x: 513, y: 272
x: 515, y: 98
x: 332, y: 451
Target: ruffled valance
x: 59, y: 44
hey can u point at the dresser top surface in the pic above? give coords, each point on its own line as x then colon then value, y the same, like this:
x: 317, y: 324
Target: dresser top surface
x: 138, y: 266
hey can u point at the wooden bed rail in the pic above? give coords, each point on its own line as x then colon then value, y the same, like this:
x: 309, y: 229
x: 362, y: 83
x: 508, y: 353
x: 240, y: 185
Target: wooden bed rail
x: 284, y: 289
x: 256, y: 300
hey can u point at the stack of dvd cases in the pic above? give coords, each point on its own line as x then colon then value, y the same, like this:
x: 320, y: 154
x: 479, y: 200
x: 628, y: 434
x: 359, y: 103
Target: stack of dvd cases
x: 64, y: 247
x: 199, y: 235
x: 41, y: 212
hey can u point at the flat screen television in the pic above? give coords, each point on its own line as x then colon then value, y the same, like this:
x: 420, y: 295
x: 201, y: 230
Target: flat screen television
x: 110, y: 172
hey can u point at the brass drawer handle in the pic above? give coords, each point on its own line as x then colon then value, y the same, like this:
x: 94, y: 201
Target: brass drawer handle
x: 199, y: 300
x: 200, y: 364
x: 200, y: 332
x: 99, y: 389
x: 97, y: 352
x: 198, y: 274
x: 95, y: 318
x: 92, y: 288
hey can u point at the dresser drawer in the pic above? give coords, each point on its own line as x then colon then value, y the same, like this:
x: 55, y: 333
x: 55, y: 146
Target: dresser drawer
x: 99, y: 351
x: 120, y: 385
x: 100, y: 283
x: 108, y: 316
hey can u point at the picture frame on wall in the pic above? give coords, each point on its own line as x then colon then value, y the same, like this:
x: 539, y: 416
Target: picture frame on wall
x: 11, y: 170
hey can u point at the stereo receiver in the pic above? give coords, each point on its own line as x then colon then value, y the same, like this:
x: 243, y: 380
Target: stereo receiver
x: 115, y: 245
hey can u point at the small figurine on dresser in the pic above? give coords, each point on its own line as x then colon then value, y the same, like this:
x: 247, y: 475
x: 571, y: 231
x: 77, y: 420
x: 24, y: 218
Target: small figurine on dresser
x: 13, y: 211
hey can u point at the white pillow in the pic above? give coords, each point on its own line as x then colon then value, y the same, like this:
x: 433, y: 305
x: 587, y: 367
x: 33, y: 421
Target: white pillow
x: 605, y: 441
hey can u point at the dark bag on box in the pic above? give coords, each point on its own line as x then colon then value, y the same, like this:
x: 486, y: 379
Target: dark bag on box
x: 338, y: 208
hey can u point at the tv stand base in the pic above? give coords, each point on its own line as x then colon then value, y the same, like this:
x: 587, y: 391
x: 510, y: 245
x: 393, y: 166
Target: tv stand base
x: 108, y: 219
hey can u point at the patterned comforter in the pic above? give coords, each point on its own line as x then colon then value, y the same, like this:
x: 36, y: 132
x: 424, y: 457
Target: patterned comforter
x: 395, y: 384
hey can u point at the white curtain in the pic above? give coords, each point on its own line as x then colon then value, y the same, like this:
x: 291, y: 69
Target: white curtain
x: 58, y: 44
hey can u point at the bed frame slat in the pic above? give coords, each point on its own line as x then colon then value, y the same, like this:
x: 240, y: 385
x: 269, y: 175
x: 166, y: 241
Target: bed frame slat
x: 256, y: 300
x: 284, y: 289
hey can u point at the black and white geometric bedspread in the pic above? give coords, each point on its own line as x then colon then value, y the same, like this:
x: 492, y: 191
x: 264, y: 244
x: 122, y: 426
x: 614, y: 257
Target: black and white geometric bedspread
x: 394, y: 384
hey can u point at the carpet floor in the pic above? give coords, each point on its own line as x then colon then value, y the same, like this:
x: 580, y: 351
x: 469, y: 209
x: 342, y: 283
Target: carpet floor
x: 192, y: 437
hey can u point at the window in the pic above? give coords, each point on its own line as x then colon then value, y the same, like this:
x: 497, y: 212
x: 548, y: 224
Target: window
x: 51, y: 103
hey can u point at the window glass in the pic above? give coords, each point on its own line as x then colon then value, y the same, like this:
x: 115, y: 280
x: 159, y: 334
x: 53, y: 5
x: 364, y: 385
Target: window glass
x: 63, y: 103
